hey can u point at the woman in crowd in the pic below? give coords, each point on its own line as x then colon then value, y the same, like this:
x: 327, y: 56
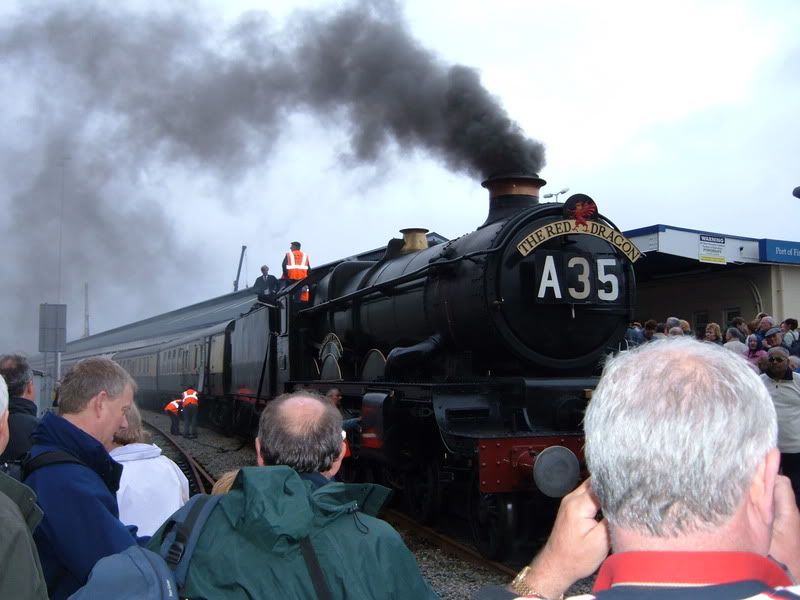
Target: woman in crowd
x: 713, y: 333
x: 152, y: 487
x: 754, y: 352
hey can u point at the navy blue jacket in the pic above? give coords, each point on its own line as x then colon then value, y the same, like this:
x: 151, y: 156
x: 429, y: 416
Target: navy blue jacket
x: 81, y: 520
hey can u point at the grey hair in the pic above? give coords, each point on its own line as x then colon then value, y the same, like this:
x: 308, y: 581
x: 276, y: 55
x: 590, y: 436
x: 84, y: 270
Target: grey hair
x: 87, y: 379
x: 134, y: 433
x: 672, y: 322
x: 17, y: 372
x: 3, y: 396
x: 307, y: 446
x: 674, y: 433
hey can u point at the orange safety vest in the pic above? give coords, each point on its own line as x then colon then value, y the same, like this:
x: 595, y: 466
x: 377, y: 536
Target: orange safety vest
x: 173, y: 406
x: 296, y: 264
x: 190, y: 397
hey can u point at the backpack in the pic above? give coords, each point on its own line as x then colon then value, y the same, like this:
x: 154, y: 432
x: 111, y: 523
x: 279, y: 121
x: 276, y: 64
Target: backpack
x: 794, y: 349
x: 140, y: 574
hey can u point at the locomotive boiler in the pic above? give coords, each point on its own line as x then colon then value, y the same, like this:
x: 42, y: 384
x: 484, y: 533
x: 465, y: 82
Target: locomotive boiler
x: 471, y: 362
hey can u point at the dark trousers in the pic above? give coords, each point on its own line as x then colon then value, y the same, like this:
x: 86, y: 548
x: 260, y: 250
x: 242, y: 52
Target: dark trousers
x: 790, y: 466
x: 190, y: 419
x: 174, y: 422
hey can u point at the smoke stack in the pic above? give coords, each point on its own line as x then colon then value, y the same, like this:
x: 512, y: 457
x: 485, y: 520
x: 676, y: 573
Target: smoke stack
x: 511, y: 193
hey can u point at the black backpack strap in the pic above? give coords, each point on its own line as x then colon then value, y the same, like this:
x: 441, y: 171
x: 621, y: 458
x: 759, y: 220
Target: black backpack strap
x: 317, y: 577
x: 54, y: 457
x: 178, y: 552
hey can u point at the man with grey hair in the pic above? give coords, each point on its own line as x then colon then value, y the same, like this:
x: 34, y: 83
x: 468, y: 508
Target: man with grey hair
x: 14, y: 368
x: 680, y: 444
x: 784, y: 387
x: 670, y: 323
x: 21, y: 574
x: 303, y: 532
x: 74, y: 477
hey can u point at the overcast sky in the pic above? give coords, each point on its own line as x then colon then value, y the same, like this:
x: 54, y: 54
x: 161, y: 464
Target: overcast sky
x: 171, y: 144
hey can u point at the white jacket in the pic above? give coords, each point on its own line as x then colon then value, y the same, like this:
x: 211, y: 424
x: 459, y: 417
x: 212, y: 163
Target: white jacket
x: 786, y: 398
x: 152, y: 487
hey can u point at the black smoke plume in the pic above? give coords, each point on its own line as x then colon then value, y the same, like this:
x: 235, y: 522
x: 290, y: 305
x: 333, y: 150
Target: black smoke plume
x: 100, y: 93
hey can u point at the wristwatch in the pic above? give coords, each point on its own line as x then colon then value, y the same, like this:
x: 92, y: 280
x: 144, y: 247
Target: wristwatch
x: 521, y: 586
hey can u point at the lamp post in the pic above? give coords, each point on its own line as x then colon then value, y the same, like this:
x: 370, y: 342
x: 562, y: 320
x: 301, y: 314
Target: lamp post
x: 557, y: 194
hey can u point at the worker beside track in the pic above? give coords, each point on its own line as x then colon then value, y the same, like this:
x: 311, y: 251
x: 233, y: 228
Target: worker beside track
x: 174, y: 408
x: 189, y: 402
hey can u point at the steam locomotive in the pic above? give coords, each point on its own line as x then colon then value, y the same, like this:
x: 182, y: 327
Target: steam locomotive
x: 469, y: 362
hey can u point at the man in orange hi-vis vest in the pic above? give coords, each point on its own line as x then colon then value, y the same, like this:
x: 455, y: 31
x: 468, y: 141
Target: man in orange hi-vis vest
x: 295, y: 263
x: 190, y: 413
x: 173, y: 410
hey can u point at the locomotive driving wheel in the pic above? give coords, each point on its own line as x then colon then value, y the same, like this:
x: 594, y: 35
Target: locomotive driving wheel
x: 491, y: 519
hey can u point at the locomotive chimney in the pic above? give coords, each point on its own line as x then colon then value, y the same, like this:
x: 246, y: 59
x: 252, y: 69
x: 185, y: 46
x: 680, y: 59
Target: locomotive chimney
x: 511, y: 193
x: 413, y: 240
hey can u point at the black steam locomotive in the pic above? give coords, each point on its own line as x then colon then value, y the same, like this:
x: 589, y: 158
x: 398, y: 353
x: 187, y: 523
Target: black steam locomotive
x: 469, y: 362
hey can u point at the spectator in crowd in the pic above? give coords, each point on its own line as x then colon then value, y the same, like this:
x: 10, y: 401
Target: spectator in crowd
x: 794, y: 363
x: 152, y: 487
x: 713, y: 334
x: 681, y: 525
x: 764, y: 324
x: 660, y: 332
x: 271, y: 510
x: 224, y: 483
x: 675, y: 332
x: 741, y: 325
x: 81, y: 520
x: 754, y: 352
x: 670, y: 323
x: 650, y: 328
x: 784, y: 387
x: 22, y: 420
x: 790, y: 332
x: 733, y: 341
x: 634, y: 335
x: 772, y: 337
x: 21, y: 575
x: 685, y: 327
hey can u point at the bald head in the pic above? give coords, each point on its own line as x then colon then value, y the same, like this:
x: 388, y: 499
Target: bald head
x: 301, y: 430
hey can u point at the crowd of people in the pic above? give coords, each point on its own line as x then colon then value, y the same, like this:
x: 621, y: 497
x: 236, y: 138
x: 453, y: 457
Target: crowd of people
x: 692, y: 455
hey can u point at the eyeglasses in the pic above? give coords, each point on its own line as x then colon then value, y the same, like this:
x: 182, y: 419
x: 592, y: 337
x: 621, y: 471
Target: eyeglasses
x: 776, y: 359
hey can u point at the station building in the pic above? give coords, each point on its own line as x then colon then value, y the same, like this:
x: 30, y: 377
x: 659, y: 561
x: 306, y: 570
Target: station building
x: 708, y: 277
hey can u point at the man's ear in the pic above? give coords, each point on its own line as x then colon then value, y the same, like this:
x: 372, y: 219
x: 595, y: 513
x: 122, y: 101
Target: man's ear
x: 97, y: 403
x: 762, y: 486
x: 259, y: 458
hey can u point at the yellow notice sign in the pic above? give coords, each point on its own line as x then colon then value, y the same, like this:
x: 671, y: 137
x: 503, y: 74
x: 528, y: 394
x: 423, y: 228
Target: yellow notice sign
x: 570, y: 227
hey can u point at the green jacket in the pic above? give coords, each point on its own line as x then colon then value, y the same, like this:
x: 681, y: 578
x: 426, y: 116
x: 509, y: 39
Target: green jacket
x: 249, y: 546
x: 20, y: 569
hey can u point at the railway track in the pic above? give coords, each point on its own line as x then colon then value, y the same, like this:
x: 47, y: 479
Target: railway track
x: 200, y: 480
x: 402, y: 521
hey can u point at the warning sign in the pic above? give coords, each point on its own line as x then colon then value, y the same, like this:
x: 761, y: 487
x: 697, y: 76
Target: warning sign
x: 712, y: 249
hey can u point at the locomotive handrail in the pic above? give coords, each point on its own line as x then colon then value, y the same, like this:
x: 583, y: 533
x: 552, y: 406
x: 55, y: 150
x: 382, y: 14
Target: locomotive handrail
x: 381, y: 287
